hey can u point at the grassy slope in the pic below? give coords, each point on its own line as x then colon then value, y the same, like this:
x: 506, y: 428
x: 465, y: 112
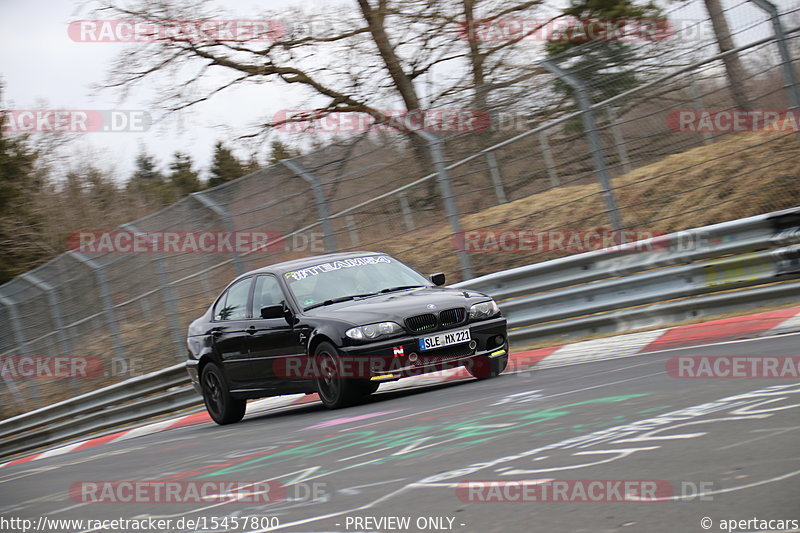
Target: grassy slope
x: 738, y: 176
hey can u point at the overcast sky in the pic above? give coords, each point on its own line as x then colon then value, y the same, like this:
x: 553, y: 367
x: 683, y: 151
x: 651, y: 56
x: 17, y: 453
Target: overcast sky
x: 41, y: 67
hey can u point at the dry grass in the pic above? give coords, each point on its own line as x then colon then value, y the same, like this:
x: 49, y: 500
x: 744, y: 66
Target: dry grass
x: 738, y: 176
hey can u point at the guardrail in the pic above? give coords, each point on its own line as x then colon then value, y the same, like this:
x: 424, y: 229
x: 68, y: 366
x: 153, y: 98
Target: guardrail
x: 714, y: 269
x: 666, y: 279
x: 122, y: 403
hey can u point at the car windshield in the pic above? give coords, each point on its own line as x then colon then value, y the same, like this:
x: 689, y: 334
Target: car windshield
x: 349, y: 278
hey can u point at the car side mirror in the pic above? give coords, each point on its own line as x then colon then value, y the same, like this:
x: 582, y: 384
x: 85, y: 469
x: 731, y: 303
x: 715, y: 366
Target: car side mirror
x: 272, y: 311
x: 438, y: 279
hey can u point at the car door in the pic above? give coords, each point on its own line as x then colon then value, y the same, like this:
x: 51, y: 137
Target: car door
x: 231, y: 339
x: 274, y: 344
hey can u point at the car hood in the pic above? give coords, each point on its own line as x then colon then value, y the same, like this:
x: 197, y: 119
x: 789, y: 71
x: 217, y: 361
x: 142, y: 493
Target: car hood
x: 397, y: 306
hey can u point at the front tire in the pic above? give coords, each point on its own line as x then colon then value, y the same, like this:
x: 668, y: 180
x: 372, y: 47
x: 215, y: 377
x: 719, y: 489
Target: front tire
x: 334, y: 390
x: 483, y: 367
x: 220, y: 405
x: 366, y: 387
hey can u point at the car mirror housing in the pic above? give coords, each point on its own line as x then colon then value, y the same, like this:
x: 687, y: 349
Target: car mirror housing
x: 272, y: 311
x: 438, y: 279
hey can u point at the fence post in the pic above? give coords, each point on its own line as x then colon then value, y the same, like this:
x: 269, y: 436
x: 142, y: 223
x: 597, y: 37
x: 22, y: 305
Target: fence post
x: 105, y: 296
x: 352, y: 229
x: 55, y: 313
x: 595, y: 143
x: 319, y: 196
x: 792, y: 89
x: 227, y: 221
x: 55, y: 308
x: 548, y: 159
x: 619, y: 141
x: 697, y: 101
x: 497, y: 178
x: 19, y: 338
x: 168, y: 296
x: 408, y: 218
x: 442, y: 176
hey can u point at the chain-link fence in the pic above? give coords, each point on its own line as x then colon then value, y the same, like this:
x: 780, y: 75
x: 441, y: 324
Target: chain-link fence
x: 634, y: 150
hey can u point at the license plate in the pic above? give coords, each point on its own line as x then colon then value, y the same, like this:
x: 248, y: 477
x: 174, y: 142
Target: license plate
x: 444, y: 339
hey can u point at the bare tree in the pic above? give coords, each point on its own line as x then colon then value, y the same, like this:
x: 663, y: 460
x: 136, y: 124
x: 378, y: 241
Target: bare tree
x: 733, y: 65
x: 358, y: 64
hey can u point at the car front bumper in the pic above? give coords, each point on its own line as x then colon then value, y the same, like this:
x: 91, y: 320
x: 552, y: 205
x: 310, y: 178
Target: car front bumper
x: 401, y: 357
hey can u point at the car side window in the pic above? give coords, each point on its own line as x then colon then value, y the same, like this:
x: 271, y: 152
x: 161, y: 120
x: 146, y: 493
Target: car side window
x: 233, y: 304
x: 267, y: 292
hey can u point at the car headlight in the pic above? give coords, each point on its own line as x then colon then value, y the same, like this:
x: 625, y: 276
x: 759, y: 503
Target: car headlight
x: 373, y: 331
x: 483, y: 310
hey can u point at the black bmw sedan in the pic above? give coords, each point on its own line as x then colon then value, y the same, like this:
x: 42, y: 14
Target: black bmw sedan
x: 339, y: 325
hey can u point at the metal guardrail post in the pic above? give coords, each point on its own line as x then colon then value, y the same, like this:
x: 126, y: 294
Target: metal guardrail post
x: 779, y: 34
x: 443, y: 177
x: 222, y: 213
x: 168, y: 297
x: 105, y: 296
x: 547, y: 155
x: 319, y: 196
x: 595, y: 143
x: 408, y: 217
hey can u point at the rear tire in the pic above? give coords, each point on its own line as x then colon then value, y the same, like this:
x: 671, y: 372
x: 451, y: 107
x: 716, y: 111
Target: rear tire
x: 220, y: 405
x: 483, y: 367
x: 334, y: 390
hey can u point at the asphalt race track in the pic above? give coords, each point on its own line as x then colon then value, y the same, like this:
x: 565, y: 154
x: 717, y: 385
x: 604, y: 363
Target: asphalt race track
x: 717, y: 449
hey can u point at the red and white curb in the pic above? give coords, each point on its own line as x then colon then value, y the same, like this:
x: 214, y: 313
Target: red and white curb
x: 749, y: 326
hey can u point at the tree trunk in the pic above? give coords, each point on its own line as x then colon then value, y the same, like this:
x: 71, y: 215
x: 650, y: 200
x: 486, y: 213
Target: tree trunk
x: 405, y: 86
x: 733, y: 64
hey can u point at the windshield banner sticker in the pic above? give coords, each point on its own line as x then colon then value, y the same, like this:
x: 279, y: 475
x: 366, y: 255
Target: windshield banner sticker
x: 297, y: 275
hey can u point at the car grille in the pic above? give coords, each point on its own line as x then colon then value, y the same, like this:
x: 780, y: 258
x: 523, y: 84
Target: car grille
x: 440, y: 355
x: 451, y: 317
x: 420, y: 323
